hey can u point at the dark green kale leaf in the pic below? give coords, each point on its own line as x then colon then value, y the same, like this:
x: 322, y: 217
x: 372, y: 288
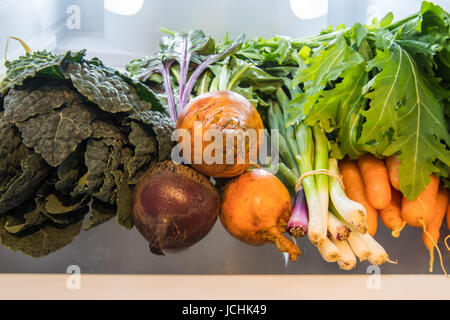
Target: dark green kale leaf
x: 12, y: 151
x: 70, y: 171
x: 23, y: 186
x: 40, y: 63
x: 103, y: 161
x: 57, y: 204
x: 144, y: 92
x: 17, y: 220
x: 36, y: 99
x: 60, y: 209
x: 162, y: 126
x: 145, y: 148
x: 57, y: 134
x: 124, y: 193
x: 105, y: 87
x: 100, y: 213
x: 39, y: 242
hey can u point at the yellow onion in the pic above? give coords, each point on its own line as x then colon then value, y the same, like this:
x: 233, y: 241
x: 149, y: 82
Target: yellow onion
x: 230, y: 114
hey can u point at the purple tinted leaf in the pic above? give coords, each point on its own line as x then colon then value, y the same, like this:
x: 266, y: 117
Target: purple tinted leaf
x: 232, y: 48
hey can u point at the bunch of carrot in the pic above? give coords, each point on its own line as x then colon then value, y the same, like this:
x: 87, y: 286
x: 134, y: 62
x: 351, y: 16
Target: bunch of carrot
x: 374, y: 183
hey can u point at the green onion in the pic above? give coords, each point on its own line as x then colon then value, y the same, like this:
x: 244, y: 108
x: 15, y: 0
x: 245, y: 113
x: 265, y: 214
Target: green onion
x: 352, y: 212
x: 321, y: 163
x: 317, y: 230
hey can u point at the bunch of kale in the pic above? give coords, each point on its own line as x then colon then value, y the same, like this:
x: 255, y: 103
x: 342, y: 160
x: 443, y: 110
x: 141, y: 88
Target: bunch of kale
x: 75, y: 136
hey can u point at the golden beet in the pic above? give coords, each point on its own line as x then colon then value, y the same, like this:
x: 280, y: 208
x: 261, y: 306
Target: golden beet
x: 256, y: 208
x: 228, y: 113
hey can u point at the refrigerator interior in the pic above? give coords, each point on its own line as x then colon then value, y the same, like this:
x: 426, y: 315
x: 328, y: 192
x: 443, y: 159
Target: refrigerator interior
x: 117, y: 31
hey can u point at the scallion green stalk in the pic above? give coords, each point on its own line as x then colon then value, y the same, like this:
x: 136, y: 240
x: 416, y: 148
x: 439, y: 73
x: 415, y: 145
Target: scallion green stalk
x: 285, y: 152
x: 320, y: 163
x: 287, y: 174
x: 317, y: 231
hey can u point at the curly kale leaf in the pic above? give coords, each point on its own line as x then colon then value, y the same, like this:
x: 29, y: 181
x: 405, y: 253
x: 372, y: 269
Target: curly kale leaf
x: 70, y: 171
x: 103, y: 161
x: 105, y: 87
x: 162, y: 126
x: 100, y: 213
x: 40, y: 98
x: 23, y: 186
x: 57, y: 134
x: 42, y: 241
x: 18, y: 221
x: 124, y: 192
x: 145, y: 148
x: 61, y: 209
x: 12, y: 151
x: 40, y: 63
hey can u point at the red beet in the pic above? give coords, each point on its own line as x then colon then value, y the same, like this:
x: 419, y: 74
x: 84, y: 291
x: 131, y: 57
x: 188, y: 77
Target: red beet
x: 174, y: 206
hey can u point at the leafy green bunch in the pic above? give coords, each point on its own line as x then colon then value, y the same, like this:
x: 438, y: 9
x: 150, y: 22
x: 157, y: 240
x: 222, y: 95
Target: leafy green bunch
x: 382, y: 89
x: 75, y: 137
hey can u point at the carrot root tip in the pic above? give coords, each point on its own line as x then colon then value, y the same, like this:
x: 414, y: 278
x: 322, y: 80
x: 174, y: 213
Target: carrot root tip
x: 430, y: 268
x: 446, y: 244
x: 396, y: 232
x: 424, y: 228
x: 391, y: 261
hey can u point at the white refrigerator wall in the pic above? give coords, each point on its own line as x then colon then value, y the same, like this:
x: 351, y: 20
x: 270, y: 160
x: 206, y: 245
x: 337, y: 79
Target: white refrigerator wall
x: 118, y: 30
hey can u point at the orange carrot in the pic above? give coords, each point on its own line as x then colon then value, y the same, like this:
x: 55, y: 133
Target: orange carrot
x: 421, y: 211
x: 376, y: 181
x: 448, y: 216
x: 392, y: 164
x: 392, y: 214
x: 448, y: 227
x: 354, y: 188
x: 430, y: 236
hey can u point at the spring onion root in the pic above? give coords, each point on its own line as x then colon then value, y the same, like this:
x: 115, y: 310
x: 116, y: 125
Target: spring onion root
x: 337, y: 229
x: 358, y: 246
x: 347, y: 259
x: 328, y: 251
x: 378, y: 255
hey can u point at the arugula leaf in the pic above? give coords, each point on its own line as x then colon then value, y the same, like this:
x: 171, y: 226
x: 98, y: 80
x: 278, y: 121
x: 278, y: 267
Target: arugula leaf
x: 339, y: 109
x: 325, y: 65
x: 387, y: 91
x: 421, y: 136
